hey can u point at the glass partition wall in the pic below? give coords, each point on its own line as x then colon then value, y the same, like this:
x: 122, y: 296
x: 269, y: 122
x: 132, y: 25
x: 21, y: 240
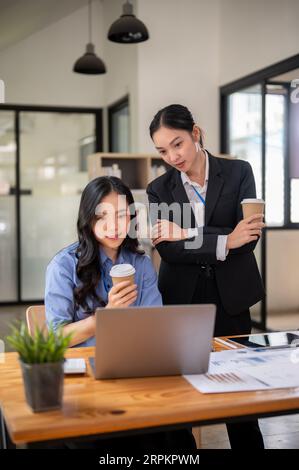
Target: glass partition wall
x: 260, y: 124
x: 42, y: 174
x: 8, y: 208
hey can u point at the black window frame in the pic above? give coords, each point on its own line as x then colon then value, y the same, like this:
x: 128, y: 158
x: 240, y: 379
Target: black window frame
x: 262, y: 77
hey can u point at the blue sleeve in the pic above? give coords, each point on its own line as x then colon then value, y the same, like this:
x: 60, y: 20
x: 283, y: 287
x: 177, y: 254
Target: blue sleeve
x: 150, y: 294
x: 59, y: 292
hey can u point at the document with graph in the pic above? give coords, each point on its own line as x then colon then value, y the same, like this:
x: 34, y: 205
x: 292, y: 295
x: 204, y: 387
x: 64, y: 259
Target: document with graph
x: 245, y: 370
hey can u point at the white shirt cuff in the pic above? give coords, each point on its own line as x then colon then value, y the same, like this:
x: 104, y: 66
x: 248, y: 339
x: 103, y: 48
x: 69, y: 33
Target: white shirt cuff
x: 221, y: 251
x: 192, y: 232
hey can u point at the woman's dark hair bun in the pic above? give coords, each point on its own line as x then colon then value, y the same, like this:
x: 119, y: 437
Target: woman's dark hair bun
x: 173, y: 116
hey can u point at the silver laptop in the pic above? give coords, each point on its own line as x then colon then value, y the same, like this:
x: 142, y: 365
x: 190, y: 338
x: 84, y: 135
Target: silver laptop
x: 153, y: 341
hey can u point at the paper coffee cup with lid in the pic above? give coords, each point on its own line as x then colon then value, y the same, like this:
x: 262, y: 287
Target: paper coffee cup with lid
x: 122, y: 272
x: 252, y: 207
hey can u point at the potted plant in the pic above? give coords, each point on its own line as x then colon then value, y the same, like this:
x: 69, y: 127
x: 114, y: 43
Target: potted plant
x: 41, y: 358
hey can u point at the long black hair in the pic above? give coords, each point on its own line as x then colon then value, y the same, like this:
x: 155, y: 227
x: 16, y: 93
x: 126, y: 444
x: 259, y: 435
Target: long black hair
x: 88, y: 266
x: 174, y: 116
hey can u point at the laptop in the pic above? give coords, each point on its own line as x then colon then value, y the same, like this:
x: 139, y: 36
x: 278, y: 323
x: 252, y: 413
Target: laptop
x: 153, y: 341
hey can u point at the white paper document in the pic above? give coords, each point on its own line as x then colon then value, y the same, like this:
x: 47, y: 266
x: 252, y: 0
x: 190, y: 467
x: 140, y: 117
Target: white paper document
x: 74, y: 366
x: 245, y: 370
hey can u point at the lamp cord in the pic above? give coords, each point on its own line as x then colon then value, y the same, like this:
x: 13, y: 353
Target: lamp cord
x: 89, y: 20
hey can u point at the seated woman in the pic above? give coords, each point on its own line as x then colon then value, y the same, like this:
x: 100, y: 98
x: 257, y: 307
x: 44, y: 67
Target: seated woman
x: 77, y: 278
x: 78, y: 281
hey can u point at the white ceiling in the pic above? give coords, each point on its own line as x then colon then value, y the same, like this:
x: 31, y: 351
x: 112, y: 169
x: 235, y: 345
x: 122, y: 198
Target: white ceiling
x: 21, y: 18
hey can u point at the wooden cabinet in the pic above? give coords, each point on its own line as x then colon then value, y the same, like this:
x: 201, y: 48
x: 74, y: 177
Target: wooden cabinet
x: 137, y: 170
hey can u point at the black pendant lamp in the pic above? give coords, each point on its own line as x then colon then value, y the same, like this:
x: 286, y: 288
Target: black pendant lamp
x: 128, y: 29
x: 89, y: 63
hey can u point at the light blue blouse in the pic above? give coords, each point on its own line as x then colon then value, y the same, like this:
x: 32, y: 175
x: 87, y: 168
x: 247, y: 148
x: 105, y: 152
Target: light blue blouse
x: 61, y: 280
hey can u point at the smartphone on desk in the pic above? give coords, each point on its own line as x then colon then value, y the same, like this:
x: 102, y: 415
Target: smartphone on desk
x: 277, y: 340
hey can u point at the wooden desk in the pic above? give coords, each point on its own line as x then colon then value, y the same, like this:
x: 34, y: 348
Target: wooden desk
x: 101, y: 407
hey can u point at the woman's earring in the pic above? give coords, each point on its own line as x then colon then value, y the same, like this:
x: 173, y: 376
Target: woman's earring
x: 197, y: 146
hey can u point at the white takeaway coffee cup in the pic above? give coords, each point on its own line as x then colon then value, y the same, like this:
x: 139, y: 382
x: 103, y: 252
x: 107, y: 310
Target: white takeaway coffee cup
x: 122, y: 272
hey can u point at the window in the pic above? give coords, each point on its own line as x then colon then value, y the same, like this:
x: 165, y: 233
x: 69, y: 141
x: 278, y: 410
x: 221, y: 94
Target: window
x: 260, y: 124
x: 43, y: 171
x: 244, y: 131
x: 119, y: 127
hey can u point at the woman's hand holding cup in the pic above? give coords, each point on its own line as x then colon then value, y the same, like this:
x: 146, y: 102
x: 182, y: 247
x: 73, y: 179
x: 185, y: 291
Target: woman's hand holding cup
x: 122, y: 294
x: 248, y: 230
x: 124, y: 290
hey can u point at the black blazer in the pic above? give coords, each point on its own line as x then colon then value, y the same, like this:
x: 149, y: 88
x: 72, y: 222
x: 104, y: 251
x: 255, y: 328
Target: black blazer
x: 238, y: 278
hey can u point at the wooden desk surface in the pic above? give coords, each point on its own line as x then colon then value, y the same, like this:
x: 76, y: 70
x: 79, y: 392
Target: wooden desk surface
x: 104, y: 406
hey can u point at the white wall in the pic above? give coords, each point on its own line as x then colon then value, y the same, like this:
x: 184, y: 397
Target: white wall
x: 255, y: 34
x: 38, y: 70
x: 282, y: 270
x: 121, y: 61
x: 180, y: 63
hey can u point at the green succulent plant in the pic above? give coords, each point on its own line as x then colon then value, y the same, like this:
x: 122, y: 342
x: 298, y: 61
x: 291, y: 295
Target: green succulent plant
x: 42, y: 347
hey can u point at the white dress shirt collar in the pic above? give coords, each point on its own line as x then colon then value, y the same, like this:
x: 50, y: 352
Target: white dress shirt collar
x: 185, y: 178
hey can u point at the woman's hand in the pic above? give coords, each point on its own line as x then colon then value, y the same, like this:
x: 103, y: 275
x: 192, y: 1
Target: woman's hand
x: 166, y: 231
x: 122, y: 295
x: 248, y: 230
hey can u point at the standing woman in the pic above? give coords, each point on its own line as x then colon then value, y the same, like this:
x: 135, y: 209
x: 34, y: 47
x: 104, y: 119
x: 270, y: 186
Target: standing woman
x: 222, y: 269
